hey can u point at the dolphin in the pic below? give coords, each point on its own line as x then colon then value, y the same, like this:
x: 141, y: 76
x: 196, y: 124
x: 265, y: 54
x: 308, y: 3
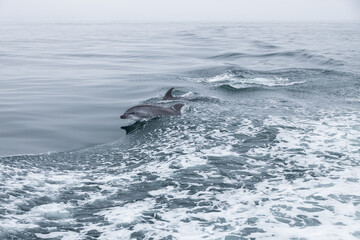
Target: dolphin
x: 150, y: 111
x: 169, y: 96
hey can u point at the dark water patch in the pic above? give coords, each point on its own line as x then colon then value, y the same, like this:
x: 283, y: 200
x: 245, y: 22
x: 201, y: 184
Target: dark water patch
x: 356, y: 234
x: 138, y: 235
x: 310, y: 209
x: 250, y: 230
x: 93, y: 234
x: 230, y: 88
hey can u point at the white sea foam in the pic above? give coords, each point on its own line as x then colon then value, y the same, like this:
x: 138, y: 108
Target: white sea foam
x: 62, y: 235
x: 53, y: 211
x: 35, y: 184
x: 239, y: 82
x: 322, y: 204
x: 322, y: 207
x: 127, y: 214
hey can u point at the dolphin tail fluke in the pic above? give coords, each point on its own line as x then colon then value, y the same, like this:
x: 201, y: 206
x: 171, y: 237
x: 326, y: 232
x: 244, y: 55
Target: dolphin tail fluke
x: 168, y: 94
x: 177, y: 108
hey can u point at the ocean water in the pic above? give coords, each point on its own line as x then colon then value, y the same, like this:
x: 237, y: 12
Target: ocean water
x: 267, y: 146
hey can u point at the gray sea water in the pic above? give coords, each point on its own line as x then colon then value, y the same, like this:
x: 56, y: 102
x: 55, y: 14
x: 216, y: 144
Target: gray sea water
x: 267, y: 147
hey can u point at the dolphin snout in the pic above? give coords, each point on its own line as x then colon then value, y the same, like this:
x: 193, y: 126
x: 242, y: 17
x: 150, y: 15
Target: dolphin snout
x: 123, y: 117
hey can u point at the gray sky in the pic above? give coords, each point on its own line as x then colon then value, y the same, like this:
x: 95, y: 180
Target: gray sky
x: 182, y: 10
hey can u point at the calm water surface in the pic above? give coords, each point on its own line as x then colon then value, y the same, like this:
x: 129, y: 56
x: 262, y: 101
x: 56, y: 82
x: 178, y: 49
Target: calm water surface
x: 268, y: 146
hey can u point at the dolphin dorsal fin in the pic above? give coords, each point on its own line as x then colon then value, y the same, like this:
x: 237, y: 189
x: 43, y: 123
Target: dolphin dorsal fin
x: 168, y: 94
x: 177, y: 108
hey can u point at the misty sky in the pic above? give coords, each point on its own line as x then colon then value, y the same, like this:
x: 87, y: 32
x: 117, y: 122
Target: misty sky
x: 182, y: 10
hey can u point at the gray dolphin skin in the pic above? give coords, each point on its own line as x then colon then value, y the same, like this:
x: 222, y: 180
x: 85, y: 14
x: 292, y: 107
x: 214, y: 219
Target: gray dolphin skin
x: 149, y: 111
x: 169, y: 96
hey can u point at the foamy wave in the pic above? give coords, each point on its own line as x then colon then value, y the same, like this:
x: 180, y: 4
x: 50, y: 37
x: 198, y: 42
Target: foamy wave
x: 231, y: 79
